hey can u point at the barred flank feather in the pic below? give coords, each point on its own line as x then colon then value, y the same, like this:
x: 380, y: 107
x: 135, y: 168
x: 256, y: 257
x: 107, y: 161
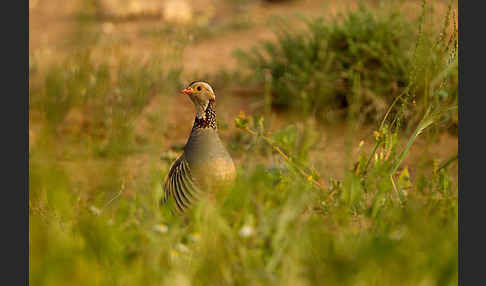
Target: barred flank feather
x: 179, y: 185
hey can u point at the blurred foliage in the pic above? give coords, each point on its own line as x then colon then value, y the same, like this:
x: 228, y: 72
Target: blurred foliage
x: 291, y: 237
x: 91, y: 223
x: 103, y: 100
x: 312, y: 69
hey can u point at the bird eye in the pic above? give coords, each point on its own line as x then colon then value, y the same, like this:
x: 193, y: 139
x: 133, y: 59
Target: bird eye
x: 199, y: 88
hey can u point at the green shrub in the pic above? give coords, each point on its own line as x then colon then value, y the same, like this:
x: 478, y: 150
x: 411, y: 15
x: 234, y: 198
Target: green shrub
x: 366, y: 52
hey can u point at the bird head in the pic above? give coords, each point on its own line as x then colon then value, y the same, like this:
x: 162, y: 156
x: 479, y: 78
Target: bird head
x: 200, y: 93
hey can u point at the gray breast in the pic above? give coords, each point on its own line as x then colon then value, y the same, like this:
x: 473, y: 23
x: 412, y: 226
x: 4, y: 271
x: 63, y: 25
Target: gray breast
x: 209, y: 160
x: 204, y: 167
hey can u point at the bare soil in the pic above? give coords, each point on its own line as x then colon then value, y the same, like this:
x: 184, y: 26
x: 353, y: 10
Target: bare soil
x: 52, y: 26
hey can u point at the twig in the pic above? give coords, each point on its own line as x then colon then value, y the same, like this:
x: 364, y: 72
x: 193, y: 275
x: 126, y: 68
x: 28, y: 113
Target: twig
x: 448, y: 162
x: 377, y: 144
x: 286, y: 158
x: 115, y: 196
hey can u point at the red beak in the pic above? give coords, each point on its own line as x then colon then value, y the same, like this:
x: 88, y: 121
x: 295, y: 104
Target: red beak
x: 186, y: 91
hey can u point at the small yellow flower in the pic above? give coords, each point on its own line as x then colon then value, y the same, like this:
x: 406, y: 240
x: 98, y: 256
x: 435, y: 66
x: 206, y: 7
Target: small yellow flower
x: 173, y: 254
x: 242, y: 120
x: 360, y: 144
x: 376, y: 134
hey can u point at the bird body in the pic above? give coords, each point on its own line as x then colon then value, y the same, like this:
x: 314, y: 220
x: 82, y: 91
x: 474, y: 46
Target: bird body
x: 205, y: 165
x: 209, y: 160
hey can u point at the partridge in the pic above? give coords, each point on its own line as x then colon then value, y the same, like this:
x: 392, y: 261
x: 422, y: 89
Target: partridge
x: 205, y: 166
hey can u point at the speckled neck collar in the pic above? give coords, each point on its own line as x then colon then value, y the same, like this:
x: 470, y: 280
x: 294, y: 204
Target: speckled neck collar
x: 209, y: 120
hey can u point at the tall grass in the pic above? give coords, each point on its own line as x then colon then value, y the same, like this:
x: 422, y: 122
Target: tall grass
x: 93, y: 224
